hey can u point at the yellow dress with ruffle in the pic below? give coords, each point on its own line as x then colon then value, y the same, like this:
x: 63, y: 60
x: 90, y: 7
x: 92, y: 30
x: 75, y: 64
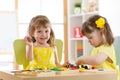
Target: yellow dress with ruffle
x: 43, y: 58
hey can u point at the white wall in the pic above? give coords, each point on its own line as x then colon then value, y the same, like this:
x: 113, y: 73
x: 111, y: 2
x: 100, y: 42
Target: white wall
x: 111, y: 10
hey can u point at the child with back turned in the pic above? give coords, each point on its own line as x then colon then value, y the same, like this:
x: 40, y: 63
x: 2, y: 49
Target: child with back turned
x: 100, y: 36
x: 40, y: 44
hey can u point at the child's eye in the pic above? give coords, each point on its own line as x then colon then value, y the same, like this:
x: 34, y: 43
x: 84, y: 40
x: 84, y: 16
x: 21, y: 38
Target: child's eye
x: 39, y: 31
x: 46, y: 31
x: 90, y: 38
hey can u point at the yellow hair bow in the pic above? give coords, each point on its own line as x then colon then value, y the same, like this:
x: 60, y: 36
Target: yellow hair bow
x: 100, y: 23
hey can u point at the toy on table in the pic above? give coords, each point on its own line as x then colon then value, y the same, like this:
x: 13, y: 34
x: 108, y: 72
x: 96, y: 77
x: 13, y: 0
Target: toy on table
x: 42, y: 68
x: 56, y: 69
x: 73, y: 67
x: 84, y: 67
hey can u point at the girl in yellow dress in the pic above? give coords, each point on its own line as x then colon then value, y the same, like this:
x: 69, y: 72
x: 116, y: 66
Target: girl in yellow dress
x: 100, y: 36
x: 40, y: 44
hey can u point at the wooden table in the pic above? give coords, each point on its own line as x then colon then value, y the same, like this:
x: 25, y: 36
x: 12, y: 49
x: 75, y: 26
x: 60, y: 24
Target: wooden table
x: 64, y: 75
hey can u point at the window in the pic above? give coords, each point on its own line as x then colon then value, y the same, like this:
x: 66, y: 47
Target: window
x: 7, y: 33
x: 7, y: 5
x: 53, y: 9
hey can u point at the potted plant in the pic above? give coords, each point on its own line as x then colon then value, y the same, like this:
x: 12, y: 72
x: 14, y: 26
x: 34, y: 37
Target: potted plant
x: 77, y: 8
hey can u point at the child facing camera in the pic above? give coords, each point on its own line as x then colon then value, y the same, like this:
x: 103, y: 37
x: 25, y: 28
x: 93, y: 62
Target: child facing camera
x: 40, y: 44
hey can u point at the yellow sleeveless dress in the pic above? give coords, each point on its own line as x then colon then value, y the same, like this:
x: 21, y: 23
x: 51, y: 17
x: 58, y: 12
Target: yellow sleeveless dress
x: 43, y: 58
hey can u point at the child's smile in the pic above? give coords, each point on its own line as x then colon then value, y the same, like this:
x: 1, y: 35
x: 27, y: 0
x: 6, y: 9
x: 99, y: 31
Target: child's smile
x: 42, y: 35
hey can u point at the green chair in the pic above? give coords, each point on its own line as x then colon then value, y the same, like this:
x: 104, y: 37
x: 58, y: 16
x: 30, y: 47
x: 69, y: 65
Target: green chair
x: 20, y: 51
x: 59, y: 46
x: 117, y: 49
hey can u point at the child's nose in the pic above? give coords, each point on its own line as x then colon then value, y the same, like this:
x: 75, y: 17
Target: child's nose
x: 43, y: 34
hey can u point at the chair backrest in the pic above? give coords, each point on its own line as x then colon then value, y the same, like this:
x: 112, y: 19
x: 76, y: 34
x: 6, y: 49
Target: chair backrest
x: 117, y: 49
x: 59, y: 46
x: 20, y: 51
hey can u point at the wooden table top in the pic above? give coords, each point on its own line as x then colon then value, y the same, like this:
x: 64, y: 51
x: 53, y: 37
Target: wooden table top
x: 61, y: 75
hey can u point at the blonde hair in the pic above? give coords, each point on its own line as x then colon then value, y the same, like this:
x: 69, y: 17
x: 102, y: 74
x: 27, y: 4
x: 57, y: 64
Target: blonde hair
x: 90, y: 25
x: 38, y: 22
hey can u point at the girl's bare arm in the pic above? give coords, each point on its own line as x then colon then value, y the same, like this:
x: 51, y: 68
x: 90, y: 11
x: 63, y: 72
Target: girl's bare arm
x: 92, y: 60
x: 29, y: 48
x: 56, y: 58
x: 29, y: 52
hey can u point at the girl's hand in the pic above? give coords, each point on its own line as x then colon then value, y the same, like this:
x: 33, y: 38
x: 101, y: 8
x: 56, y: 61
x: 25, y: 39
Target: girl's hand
x: 28, y: 40
x: 67, y: 64
x: 78, y: 61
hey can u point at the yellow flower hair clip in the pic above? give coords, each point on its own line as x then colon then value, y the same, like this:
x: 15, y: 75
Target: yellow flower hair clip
x: 100, y: 23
